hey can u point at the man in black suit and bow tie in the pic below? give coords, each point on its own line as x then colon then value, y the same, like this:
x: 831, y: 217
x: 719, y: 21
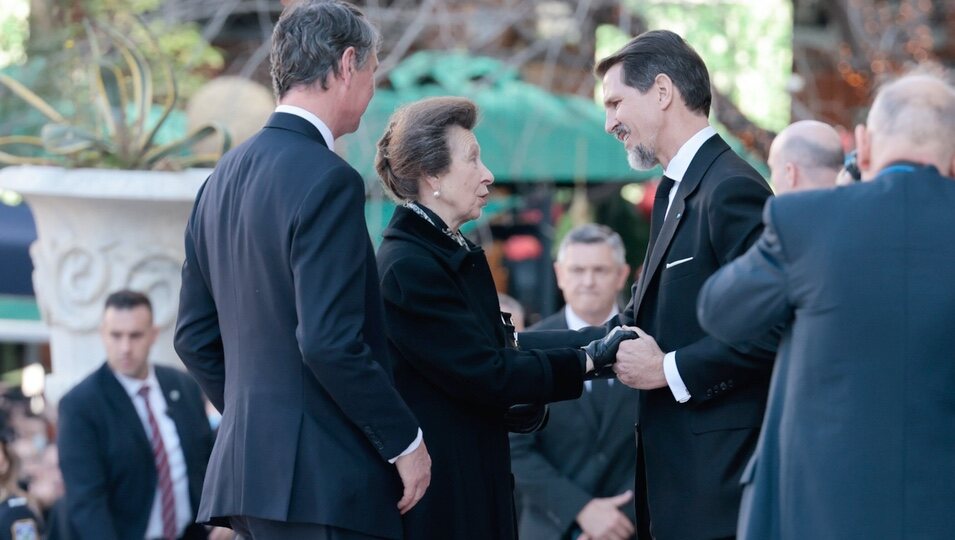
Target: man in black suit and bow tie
x: 280, y: 317
x: 702, y: 400
x: 576, y: 475
x: 134, y: 438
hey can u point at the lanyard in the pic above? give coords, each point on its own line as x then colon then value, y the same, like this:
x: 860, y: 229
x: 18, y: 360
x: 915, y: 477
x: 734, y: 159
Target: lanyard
x: 891, y: 169
x: 905, y: 168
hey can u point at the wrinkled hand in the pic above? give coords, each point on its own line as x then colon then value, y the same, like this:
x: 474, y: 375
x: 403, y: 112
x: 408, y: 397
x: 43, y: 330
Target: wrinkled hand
x: 640, y: 362
x: 415, y: 472
x: 601, y: 519
x: 603, y: 351
x: 526, y: 417
x: 221, y: 533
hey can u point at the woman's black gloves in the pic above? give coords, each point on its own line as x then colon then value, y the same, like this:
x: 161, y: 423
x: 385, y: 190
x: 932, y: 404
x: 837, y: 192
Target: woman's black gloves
x: 603, y: 351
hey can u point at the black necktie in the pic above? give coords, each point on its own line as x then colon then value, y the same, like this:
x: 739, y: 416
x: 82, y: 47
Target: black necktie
x: 660, y: 203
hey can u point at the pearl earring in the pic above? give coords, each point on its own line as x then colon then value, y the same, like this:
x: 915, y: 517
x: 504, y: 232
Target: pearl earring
x: 437, y: 194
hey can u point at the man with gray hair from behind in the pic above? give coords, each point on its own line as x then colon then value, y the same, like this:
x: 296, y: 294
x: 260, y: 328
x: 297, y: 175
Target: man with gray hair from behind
x: 280, y: 313
x: 857, y: 438
x: 806, y: 155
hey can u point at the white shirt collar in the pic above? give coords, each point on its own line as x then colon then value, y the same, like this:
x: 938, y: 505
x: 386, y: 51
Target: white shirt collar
x: 575, y: 322
x: 132, y: 385
x: 681, y: 161
x: 314, y: 120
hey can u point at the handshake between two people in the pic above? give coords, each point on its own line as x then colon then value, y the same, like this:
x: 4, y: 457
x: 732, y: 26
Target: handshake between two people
x: 629, y: 353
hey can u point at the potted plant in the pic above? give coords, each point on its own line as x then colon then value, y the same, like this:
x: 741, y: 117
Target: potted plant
x: 110, y: 202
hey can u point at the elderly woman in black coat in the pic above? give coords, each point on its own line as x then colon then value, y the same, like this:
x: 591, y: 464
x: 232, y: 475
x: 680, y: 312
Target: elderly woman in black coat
x: 445, y: 329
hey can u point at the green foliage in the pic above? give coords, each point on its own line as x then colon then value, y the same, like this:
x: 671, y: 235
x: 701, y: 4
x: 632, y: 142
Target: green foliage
x: 121, y: 89
x: 13, y: 31
x: 746, y: 44
x: 193, y: 58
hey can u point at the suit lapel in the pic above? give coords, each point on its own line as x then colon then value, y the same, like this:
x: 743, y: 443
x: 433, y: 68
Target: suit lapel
x: 119, y: 400
x: 173, y: 395
x: 704, y: 158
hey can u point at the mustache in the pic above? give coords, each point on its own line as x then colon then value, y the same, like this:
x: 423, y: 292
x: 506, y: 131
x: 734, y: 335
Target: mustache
x: 620, y: 132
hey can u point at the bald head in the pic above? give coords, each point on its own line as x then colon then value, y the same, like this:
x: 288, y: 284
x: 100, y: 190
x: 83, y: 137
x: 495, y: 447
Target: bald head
x: 805, y: 155
x: 911, y: 119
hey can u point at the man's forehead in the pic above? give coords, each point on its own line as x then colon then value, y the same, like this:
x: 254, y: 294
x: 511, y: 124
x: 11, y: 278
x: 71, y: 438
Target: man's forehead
x: 588, y: 254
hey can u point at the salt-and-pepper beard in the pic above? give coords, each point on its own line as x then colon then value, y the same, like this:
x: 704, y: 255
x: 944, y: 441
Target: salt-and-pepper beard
x: 642, y: 158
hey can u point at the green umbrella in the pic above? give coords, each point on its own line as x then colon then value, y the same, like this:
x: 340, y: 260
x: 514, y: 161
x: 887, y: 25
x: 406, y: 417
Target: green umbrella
x: 526, y: 133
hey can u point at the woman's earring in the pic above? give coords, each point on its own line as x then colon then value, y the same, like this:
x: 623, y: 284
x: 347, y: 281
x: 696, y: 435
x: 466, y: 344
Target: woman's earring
x: 437, y: 194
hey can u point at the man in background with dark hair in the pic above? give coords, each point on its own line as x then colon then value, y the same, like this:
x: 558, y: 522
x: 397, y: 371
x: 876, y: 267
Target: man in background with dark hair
x: 702, y: 401
x: 280, y: 315
x: 134, y: 438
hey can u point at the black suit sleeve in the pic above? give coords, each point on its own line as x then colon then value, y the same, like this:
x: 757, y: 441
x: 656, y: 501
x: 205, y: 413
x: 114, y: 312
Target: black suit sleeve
x: 84, y: 471
x: 439, y: 334
x: 331, y: 311
x: 747, y: 298
x: 733, y: 215
x: 198, y: 339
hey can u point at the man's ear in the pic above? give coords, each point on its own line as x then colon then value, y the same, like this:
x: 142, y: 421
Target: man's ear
x: 864, y: 151
x: 623, y: 274
x: 558, y: 273
x: 663, y: 86
x: 792, y: 175
x: 348, y: 65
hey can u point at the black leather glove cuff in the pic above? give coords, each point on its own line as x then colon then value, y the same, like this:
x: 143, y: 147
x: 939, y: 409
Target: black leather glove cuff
x: 526, y: 417
x: 603, y: 351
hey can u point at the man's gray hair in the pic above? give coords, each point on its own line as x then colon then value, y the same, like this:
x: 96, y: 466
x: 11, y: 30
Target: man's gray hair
x: 310, y: 38
x: 923, y: 118
x: 593, y: 233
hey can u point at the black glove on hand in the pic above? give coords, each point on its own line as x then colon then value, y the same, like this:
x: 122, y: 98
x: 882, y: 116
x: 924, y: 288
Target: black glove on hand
x: 526, y: 417
x: 603, y: 351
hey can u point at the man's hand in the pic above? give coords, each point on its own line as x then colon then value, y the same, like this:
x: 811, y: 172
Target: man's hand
x: 221, y: 533
x: 640, y: 362
x: 601, y: 519
x: 415, y: 472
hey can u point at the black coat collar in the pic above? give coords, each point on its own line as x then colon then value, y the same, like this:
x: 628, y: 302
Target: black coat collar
x: 408, y: 226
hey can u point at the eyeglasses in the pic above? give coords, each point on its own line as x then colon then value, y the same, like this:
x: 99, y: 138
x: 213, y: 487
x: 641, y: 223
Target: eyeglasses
x: 851, y: 164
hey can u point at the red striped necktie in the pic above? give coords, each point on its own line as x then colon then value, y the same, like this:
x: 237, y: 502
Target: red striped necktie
x: 163, y: 476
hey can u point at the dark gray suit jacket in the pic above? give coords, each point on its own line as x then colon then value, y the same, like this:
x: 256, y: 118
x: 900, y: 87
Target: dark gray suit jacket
x: 859, y: 435
x: 107, y: 459
x: 280, y: 321
x: 583, y: 452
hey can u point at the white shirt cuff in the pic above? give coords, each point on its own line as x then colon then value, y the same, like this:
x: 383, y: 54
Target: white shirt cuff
x: 411, y: 447
x: 674, y: 381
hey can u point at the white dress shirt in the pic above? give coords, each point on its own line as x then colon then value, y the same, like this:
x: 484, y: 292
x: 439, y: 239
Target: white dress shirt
x: 575, y: 322
x: 173, y: 447
x: 330, y: 141
x: 675, y: 170
x: 314, y: 120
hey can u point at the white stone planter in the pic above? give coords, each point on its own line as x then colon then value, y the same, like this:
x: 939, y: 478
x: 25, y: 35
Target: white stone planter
x: 98, y: 231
